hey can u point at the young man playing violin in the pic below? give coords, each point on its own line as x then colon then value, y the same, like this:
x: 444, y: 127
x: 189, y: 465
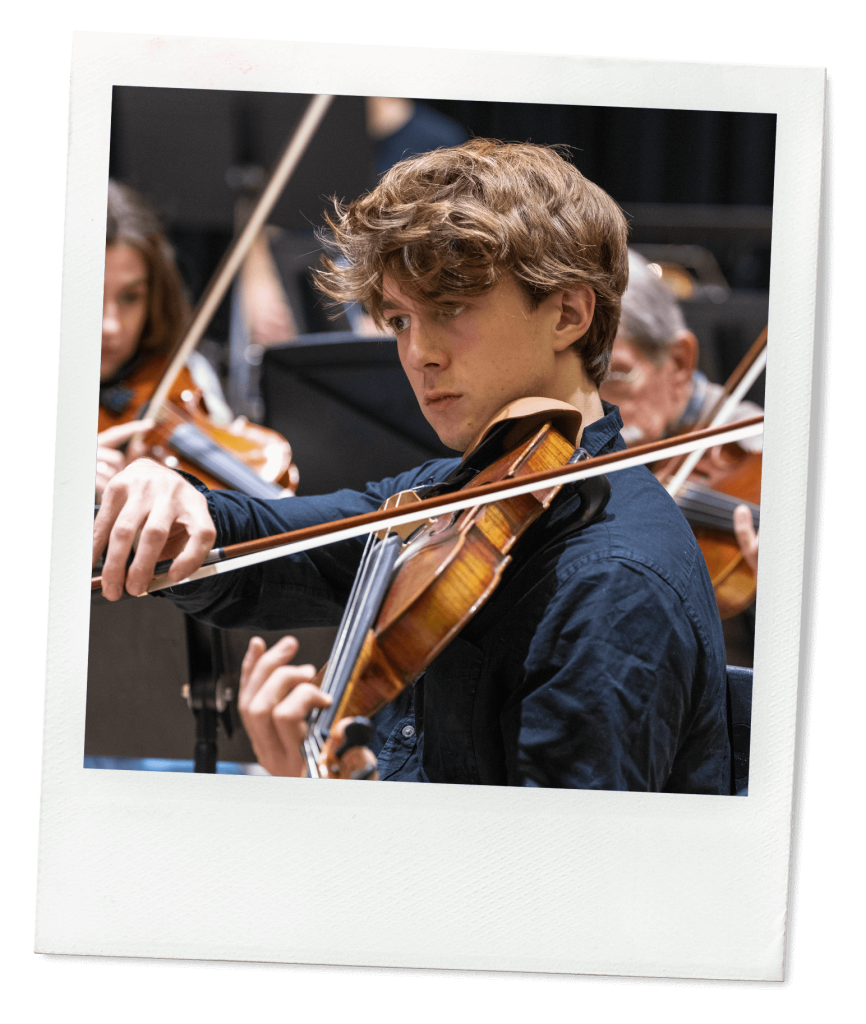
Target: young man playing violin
x: 598, y: 661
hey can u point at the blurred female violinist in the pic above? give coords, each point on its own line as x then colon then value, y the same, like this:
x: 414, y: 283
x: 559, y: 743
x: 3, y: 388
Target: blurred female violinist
x: 144, y: 314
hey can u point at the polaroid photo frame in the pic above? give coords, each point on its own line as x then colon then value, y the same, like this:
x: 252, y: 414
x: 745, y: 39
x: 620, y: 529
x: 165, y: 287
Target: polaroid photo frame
x: 154, y: 865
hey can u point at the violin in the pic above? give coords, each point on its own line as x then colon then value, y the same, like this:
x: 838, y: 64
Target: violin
x: 409, y: 600
x: 708, y: 487
x: 721, y: 481
x: 244, y: 456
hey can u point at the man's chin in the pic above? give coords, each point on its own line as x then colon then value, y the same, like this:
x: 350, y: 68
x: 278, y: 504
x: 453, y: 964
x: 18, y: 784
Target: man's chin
x: 456, y: 436
x: 458, y: 444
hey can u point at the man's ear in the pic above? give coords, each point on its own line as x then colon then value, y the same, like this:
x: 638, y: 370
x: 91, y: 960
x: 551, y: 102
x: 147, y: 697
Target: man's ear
x: 683, y: 353
x: 575, y: 308
x: 679, y: 367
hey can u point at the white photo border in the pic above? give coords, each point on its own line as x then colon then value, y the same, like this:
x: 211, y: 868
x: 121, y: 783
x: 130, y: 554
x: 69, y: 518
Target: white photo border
x: 250, y: 868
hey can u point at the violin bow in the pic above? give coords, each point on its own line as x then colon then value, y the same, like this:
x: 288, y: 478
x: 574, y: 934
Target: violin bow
x: 247, y: 553
x: 238, y: 251
x: 749, y: 368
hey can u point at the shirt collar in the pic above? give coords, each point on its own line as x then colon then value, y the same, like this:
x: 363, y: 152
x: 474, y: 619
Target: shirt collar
x: 695, y: 405
x: 597, y: 438
x: 603, y: 435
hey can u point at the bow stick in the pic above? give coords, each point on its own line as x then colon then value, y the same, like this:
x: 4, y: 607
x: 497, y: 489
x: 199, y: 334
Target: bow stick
x: 247, y: 553
x: 749, y: 368
x: 231, y: 262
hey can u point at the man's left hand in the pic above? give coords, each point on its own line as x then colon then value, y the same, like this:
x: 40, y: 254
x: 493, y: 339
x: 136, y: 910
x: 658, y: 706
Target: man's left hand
x: 744, y: 529
x: 274, y: 701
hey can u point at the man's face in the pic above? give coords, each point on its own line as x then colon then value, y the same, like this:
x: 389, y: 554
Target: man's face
x: 464, y: 367
x: 649, y: 397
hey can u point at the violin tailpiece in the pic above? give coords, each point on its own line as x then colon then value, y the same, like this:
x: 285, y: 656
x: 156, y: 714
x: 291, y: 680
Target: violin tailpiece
x: 372, y: 685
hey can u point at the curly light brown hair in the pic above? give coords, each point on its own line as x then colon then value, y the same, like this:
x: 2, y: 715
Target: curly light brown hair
x: 134, y: 222
x: 450, y: 224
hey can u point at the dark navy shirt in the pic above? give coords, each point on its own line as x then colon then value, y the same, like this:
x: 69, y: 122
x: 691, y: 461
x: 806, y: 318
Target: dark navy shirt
x: 598, y: 663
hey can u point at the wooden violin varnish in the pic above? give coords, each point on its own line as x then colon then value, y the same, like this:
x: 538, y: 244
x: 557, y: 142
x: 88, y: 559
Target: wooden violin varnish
x: 440, y: 579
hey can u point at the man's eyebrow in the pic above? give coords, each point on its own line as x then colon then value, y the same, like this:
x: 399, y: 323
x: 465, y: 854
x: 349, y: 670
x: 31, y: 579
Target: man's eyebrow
x: 392, y: 304
x: 136, y: 282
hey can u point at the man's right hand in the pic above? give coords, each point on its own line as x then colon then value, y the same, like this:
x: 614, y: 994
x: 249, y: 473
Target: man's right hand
x: 168, y: 514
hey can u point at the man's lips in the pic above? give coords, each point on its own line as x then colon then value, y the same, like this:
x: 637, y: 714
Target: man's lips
x: 436, y: 399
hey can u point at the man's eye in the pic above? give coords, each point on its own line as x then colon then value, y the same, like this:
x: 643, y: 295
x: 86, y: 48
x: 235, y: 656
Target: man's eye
x: 398, y: 324
x: 130, y: 298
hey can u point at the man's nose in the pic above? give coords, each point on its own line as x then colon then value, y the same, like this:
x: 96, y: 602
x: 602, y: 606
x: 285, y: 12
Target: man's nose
x: 425, y: 349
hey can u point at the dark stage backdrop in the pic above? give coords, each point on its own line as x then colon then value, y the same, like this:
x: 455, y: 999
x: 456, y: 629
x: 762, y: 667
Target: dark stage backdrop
x: 683, y: 177
x: 696, y: 177
x: 640, y: 155
x: 701, y: 177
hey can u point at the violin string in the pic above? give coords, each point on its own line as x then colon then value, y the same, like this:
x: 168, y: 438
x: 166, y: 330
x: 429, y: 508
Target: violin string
x: 196, y: 447
x: 310, y: 750
x: 316, y: 718
x: 364, y: 614
x: 716, y: 498
x: 350, y: 610
x: 714, y: 506
x: 345, y: 651
x: 348, y: 613
x: 375, y: 589
x: 722, y: 515
x: 715, y: 521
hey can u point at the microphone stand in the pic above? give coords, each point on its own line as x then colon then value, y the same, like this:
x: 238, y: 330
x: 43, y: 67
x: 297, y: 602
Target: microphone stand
x: 208, y: 693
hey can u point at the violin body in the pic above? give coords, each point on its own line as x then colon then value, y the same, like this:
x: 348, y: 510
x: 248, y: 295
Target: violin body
x: 734, y: 473
x: 258, y: 450
x: 445, y: 573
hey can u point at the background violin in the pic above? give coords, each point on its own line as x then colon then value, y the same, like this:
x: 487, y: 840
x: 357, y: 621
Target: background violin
x: 244, y: 456
x: 723, y: 479
x: 708, y: 487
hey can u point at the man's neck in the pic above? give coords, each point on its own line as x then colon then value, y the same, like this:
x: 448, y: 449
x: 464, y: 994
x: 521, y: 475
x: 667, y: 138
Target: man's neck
x: 578, y: 390
x: 590, y: 408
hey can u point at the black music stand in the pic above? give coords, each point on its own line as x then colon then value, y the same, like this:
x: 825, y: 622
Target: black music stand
x: 347, y: 409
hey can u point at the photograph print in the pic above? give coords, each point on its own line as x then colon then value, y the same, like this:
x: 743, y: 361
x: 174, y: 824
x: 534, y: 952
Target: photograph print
x: 425, y: 265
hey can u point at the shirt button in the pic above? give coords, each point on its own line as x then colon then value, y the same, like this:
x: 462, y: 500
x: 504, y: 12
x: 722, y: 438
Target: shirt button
x: 408, y: 731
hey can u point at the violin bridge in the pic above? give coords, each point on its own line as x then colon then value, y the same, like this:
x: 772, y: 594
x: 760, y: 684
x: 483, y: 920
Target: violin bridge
x: 398, y: 500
